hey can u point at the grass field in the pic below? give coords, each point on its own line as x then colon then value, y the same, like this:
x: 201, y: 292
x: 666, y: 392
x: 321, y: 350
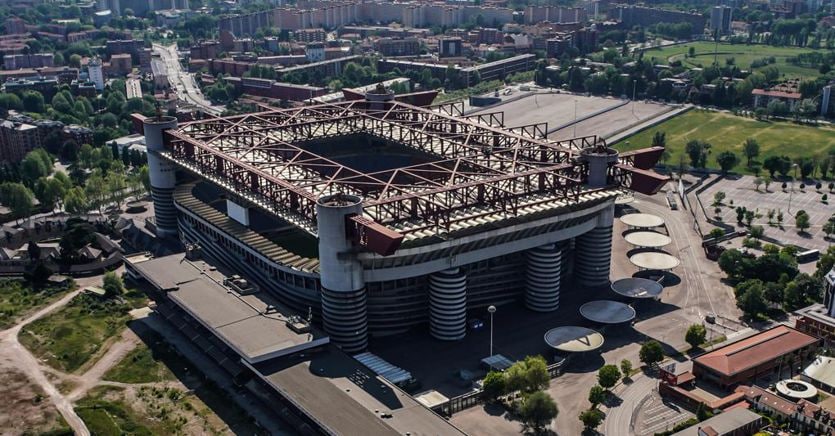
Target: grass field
x: 17, y: 299
x: 743, y: 56
x: 139, y: 366
x: 725, y: 131
x: 68, y: 338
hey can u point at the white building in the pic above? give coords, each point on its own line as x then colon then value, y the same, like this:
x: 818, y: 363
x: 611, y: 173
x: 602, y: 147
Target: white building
x: 94, y: 71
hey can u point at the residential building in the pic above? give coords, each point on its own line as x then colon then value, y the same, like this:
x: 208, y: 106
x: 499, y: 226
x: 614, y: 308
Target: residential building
x: 720, y: 19
x: 632, y: 15
x: 450, y: 47
x: 96, y: 73
x: 160, y: 73
x: 763, y: 354
x: 17, y: 139
x: 310, y: 35
x: 35, y: 60
x: 15, y: 26
x: 398, y: 47
x: 787, y: 92
x: 315, y: 52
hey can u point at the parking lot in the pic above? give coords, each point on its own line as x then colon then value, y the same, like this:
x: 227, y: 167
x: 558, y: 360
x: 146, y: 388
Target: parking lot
x: 743, y: 193
x: 657, y: 415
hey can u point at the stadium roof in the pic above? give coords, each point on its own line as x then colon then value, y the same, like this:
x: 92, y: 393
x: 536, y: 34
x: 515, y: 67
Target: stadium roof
x: 607, y: 312
x: 642, y: 220
x: 573, y: 339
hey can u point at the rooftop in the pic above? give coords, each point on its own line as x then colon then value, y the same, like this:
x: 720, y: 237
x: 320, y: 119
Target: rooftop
x: 723, y: 423
x: 254, y: 325
x: 755, y: 350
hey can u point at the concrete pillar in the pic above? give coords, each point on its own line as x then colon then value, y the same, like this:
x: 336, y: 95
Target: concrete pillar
x: 593, y: 251
x: 542, y: 280
x: 344, y: 310
x: 162, y: 174
x: 448, y: 305
x: 599, y: 159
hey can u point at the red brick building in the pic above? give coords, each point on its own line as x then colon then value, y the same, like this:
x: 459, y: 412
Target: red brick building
x: 760, y: 355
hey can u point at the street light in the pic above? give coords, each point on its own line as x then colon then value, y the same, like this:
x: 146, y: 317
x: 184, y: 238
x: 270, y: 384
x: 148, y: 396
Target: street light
x: 492, y: 310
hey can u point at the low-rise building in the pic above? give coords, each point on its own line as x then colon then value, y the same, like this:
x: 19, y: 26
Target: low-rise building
x: 744, y: 361
x: 734, y: 422
x: 397, y: 47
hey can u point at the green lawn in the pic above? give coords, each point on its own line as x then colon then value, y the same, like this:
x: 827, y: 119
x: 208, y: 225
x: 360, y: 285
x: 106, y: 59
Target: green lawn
x: 140, y: 366
x: 742, y: 54
x: 727, y: 132
x: 68, y: 338
x: 17, y: 299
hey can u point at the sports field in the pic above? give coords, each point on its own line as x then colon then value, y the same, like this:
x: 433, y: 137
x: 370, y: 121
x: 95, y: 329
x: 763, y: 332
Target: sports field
x: 743, y: 56
x: 725, y: 131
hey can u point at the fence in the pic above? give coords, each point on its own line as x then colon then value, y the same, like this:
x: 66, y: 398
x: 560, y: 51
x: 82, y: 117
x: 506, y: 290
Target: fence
x: 476, y: 397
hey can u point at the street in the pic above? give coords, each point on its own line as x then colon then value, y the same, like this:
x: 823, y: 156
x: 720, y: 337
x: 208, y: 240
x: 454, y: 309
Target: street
x: 183, y: 81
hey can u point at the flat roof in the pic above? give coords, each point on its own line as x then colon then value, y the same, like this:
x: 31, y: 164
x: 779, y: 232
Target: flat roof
x: 637, y: 287
x: 642, y: 220
x: 254, y: 325
x: 607, y: 312
x: 654, y: 260
x: 723, y: 423
x: 573, y: 339
x: 822, y: 370
x: 754, y: 350
x: 348, y: 398
x: 648, y: 239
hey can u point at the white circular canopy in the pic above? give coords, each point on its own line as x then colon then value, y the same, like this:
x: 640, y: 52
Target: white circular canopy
x: 607, y: 312
x: 573, y: 339
x: 654, y: 260
x: 647, y: 239
x: 642, y: 220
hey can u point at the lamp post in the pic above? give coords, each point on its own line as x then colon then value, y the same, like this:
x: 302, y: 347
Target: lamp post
x: 492, y: 310
x: 574, y: 135
x: 792, y: 189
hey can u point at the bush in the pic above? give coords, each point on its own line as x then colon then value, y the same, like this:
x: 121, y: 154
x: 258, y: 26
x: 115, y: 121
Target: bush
x: 695, y: 335
x: 591, y: 418
x: 651, y: 352
x: 538, y: 410
x: 112, y: 284
x: 608, y: 375
x: 495, y: 385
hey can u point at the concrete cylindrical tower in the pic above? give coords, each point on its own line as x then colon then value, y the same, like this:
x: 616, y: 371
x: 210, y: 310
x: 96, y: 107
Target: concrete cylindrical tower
x: 593, y: 251
x: 599, y: 159
x: 448, y: 305
x: 344, y: 310
x: 542, y: 281
x: 162, y: 175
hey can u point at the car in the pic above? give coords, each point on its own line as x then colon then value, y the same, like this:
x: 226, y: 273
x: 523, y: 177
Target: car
x: 710, y: 318
x: 475, y: 324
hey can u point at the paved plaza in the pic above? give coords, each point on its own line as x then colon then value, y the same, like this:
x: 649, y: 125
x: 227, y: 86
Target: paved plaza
x: 743, y: 193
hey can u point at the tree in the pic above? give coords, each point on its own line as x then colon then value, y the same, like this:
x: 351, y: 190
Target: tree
x: 608, y: 375
x: 695, y: 335
x: 597, y: 395
x: 494, y: 385
x: 626, y: 368
x: 112, y: 284
x: 651, y: 352
x: 756, y: 232
x: 17, y: 197
x: 36, y: 164
x: 715, y: 233
x: 801, y: 221
x: 718, y: 198
x: 751, y: 301
x: 591, y: 418
x: 538, y: 410
x: 75, y: 201
x: 659, y: 139
x: 537, y: 373
x: 751, y: 149
x: 727, y: 160
x: 33, y: 102
x: 48, y: 191
x: 697, y: 151
x: 829, y: 228
x: 757, y: 182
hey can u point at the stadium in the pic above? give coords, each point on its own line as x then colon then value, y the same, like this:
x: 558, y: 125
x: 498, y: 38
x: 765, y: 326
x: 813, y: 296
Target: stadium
x: 379, y: 216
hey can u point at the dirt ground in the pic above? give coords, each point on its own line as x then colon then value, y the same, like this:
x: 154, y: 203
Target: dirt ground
x: 25, y: 408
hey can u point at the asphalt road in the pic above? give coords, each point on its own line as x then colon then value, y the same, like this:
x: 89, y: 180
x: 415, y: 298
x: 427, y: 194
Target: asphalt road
x: 183, y: 81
